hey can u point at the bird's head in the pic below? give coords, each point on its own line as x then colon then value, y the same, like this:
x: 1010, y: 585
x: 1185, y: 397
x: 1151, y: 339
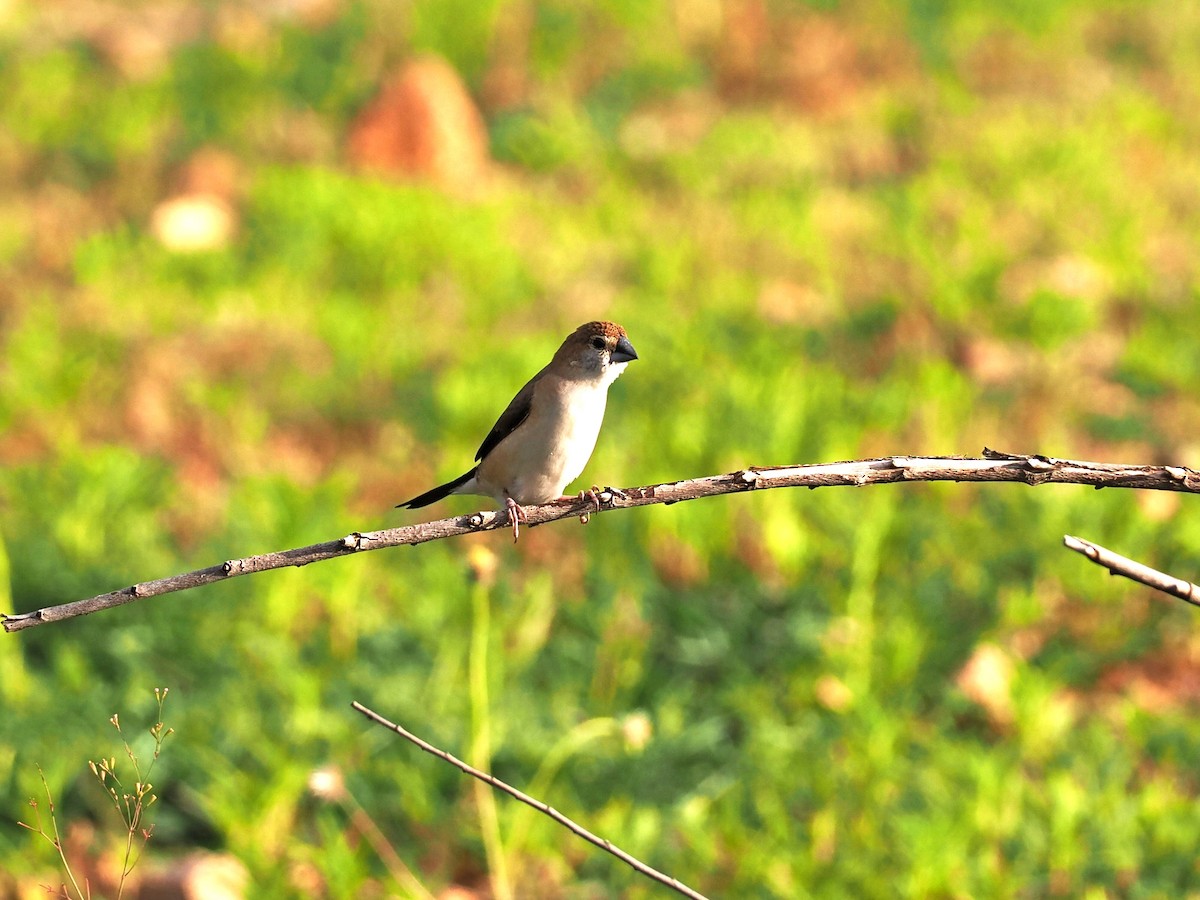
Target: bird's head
x: 596, y: 350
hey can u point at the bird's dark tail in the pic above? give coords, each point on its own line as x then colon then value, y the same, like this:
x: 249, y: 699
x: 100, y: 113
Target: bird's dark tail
x: 439, y: 492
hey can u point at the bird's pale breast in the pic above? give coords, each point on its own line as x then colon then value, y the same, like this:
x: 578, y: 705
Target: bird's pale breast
x: 551, y: 447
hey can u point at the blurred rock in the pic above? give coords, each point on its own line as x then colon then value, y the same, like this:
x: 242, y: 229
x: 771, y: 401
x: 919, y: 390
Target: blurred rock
x: 1074, y: 275
x: 1156, y: 685
x: 60, y: 217
x: 1170, y: 257
x: 699, y: 22
x: 1158, y: 506
x: 987, y: 679
x: 195, y: 876
x: 133, y: 47
x: 991, y: 361
x: 637, y: 730
x: 677, y: 562
x: 821, y: 70
x: 673, y: 126
x: 787, y: 302
x: 193, y: 222
x: 1069, y: 275
x: 833, y: 693
x: 746, y: 38
x: 460, y: 892
x: 312, y: 13
x: 135, y: 39
x: 198, y: 876
x: 306, y: 879
x: 483, y: 563
x: 242, y: 29
x: 819, y: 63
x: 328, y: 784
x: 423, y: 124
x: 506, y: 84
x: 210, y: 171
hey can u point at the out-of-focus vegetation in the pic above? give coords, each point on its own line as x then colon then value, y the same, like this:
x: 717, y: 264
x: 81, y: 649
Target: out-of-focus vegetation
x: 832, y: 230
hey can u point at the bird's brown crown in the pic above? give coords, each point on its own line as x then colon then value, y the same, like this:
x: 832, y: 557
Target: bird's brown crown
x: 610, y: 331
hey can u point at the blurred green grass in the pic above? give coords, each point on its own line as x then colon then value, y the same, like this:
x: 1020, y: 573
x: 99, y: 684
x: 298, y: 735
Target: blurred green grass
x: 975, y: 226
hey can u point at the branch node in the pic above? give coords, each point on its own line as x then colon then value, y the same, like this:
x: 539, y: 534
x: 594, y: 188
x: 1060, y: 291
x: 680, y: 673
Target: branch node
x: 749, y: 477
x: 1039, y: 463
x: 231, y: 567
x: 1177, y: 473
x: 134, y: 591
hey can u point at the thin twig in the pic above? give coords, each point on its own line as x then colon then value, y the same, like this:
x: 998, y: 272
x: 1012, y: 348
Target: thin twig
x: 554, y: 814
x: 994, y: 466
x: 1122, y: 565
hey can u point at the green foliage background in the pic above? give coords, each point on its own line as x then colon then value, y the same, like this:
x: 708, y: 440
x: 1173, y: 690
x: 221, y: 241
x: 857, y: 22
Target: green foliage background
x: 984, y: 233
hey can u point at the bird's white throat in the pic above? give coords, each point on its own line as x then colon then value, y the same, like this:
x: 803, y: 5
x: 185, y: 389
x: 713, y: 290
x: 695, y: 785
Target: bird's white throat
x: 613, y: 372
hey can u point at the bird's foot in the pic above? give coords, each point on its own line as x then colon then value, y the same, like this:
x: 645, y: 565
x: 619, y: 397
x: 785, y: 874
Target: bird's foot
x: 516, y: 515
x: 593, y: 496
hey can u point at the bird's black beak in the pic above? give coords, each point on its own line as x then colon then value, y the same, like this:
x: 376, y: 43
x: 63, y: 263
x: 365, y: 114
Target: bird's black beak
x: 623, y: 352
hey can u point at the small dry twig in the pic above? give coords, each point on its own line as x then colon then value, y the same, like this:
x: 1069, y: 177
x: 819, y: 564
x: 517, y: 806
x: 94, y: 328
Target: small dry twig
x: 632, y: 861
x: 994, y: 466
x: 55, y: 840
x: 1123, y: 565
x: 131, y: 807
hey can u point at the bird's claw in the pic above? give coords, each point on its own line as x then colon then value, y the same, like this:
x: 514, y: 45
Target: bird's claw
x: 516, y: 515
x: 594, y: 496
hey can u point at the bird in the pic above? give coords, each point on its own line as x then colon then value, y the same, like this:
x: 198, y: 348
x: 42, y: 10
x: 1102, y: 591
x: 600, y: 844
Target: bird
x: 546, y: 435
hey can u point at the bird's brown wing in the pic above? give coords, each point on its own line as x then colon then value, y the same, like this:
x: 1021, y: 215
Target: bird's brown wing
x: 516, y: 413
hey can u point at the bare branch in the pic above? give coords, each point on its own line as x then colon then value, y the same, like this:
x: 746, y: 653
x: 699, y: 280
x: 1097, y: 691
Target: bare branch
x: 541, y: 807
x: 994, y: 466
x: 1122, y: 565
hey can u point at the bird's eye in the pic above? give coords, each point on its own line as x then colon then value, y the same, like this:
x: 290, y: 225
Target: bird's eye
x: 598, y: 343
